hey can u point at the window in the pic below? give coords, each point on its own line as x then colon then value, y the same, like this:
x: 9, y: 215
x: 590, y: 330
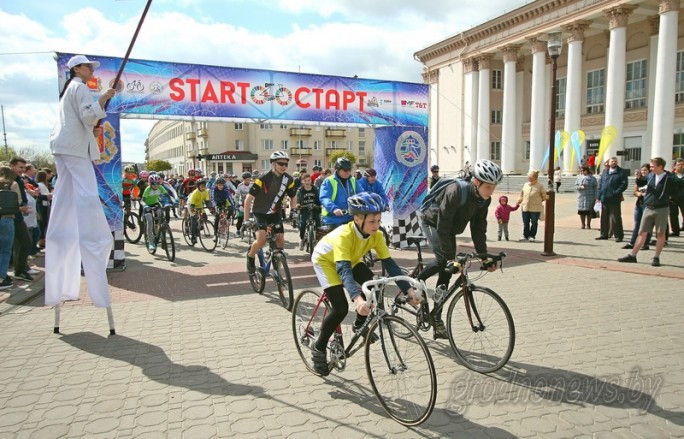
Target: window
x: 596, y: 91
x: 350, y: 145
x: 362, y: 147
x: 495, y: 152
x: 497, y: 79
x: 266, y: 144
x: 318, y: 163
x: 317, y: 144
x: 265, y: 166
x: 283, y: 126
x: 633, y: 148
x: 239, y: 126
x: 266, y: 126
x: 362, y: 132
x: 283, y: 144
x: 678, y: 147
x: 635, y: 88
x: 332, y: 144
x: 560, y: 97
x: 239, y: 145
x: 301, y: 143
x: 527, y: 150
x: 496, y: 117
x: 679, y: 87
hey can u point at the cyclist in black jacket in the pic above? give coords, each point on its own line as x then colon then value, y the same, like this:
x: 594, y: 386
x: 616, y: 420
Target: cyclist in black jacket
x: 448, y: 216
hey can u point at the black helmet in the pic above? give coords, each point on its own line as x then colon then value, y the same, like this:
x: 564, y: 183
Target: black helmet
x: 246, y: 175
x: 220, y: 180
x: 343, y: 163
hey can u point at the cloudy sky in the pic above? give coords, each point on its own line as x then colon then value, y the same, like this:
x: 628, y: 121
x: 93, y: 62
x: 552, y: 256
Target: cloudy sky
x: 368, y: 38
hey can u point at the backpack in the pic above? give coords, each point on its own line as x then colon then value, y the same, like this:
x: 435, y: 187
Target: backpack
x: 9, y: 204
x: 439, y: 187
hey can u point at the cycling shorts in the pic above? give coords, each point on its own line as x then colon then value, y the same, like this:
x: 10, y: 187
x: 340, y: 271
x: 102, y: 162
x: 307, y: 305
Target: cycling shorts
x: 263, y: 220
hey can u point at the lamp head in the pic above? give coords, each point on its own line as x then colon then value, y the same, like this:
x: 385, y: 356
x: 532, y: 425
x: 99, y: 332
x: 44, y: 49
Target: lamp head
x: 555, y: 44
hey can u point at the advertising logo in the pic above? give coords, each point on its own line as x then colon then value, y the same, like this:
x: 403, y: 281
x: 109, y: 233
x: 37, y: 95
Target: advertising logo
x: 155, y: 87
x: 410, y: 149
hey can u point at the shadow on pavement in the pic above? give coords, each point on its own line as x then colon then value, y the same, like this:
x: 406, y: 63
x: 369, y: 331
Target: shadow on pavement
x: 156, y: 365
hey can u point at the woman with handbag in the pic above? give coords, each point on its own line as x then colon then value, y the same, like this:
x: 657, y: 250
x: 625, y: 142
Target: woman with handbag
x: 531, y: 201
x: 586, y: 187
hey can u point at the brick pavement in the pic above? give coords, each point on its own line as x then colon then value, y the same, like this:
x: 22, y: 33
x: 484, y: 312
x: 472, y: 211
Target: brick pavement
x: 198, y: 354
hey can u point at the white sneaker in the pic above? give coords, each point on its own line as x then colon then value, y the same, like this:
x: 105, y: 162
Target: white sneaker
x: 531, y: 239
x: 32, y: 271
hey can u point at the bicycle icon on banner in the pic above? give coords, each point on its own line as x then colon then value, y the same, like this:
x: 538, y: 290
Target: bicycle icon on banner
x: 135, y: 86
x: 261, y: 94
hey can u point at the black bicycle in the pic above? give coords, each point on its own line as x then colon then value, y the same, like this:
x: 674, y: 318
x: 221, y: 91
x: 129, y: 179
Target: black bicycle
x: 132, y: 224
x: 479, y: 323
x: 161, y: 234
x: 311, y: 230
x: 280, y: 272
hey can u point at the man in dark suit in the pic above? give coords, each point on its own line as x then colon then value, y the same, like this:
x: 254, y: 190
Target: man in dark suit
x: 611, y: 186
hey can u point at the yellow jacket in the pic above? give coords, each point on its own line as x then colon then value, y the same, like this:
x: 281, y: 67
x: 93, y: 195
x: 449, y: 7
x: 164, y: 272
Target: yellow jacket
x: 197, y: 198
x: 531, y: 197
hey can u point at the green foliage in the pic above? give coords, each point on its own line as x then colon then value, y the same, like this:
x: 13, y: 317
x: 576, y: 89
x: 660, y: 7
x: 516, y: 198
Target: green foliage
x: 158, y: 165
x: 39, y: 159
x: 342, y: 153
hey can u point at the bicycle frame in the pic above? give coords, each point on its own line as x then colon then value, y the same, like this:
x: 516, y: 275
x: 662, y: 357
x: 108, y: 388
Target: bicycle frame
x: 266, y: 258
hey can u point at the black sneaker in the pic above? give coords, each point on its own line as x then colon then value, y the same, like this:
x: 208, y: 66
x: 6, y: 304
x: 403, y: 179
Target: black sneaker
x: 628, y: 258
x: 627, y: 246
x: 24, y: 276
x: 373, y: 337
x: 645, y: 247
x: 440, y: 330
x: 656, y: 261
x: 251, y: 265
x: 6, y: 283
x: 320, y: 362
x: 600, y: 238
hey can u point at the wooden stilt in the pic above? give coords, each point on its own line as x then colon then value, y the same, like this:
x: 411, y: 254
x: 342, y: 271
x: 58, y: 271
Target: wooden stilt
x: 58, y: 309
x: 110, y: 318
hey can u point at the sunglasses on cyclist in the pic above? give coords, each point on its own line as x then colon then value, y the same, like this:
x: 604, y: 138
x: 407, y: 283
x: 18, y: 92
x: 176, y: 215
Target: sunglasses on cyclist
x: 282, y: 164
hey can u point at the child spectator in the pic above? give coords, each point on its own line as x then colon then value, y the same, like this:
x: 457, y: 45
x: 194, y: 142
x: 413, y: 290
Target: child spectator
x: 503, y: 215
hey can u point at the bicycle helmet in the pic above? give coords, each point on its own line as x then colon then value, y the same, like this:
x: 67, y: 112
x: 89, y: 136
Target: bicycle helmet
x: 161, y: 175
x: 130, y: 169
x: 255, y: 174
x: 365, y: 203
x: 370, y: 172
x: 487, y: 171
x: 295, y: 174
x: 202, y: 182
x: 434, y: 168
x: 343, y: 163
x: 191, y: 173
x: 171, y: 181
x: 154, y: 179
x: 198, y: 172
x: 316, y: 168
x: 220, y: 180
x: 279, y: 155
x: 246, y: 175
x: 144, y: 175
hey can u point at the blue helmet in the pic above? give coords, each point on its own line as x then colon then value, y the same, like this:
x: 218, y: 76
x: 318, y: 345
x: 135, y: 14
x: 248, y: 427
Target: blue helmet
x: 365, y: 203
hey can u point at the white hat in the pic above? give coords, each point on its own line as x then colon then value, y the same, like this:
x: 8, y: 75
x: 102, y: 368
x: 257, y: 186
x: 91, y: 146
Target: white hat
x: 81, y: 59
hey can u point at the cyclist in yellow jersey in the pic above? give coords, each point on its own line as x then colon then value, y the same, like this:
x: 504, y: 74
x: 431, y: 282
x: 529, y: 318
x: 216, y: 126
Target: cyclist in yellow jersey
x: 338, y: 264
x: 197, y: 200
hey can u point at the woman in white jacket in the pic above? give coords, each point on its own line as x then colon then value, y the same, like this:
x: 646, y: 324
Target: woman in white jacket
x: 78, y: 232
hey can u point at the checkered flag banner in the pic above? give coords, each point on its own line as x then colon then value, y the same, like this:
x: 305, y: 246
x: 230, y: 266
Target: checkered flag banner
x: 403, y: 227
x: 117, y: 257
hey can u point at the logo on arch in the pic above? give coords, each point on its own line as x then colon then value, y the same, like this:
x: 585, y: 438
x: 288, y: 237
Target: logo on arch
x: 410, y: 149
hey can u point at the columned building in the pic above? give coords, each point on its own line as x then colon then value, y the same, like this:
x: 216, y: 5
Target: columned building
x: 621, y: 69
x: 236, y: 147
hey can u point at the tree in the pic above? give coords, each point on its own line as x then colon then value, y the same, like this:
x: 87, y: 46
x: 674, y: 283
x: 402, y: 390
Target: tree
x: 39, y: 159
x: 342, y: 153
x: 158, y: 165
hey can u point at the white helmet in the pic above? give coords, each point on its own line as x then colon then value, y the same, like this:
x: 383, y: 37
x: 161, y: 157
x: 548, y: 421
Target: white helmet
x: 487, y: 172
x: 279, y: 155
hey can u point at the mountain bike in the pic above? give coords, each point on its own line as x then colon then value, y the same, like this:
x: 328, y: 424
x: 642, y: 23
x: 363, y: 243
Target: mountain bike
x: 205, y: 230
x: 400, y: 369
x: 161, y: 234
x: 280, y: 272
x: 310, y: 231
x: 223, y: 231
x: 132, y: 225
x: 480, y: 326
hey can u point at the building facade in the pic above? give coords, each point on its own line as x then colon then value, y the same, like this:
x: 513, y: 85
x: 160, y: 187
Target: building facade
x: 621, y: 67
x: 236, y: 147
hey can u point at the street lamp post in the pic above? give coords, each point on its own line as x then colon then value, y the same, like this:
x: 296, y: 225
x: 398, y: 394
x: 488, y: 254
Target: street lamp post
x: 554, y: 46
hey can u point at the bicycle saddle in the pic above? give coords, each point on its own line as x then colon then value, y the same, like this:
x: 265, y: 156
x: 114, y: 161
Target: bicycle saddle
x: 411, y: 240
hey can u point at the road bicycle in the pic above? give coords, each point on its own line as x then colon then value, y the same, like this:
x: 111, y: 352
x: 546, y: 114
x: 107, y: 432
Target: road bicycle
x: 400, y: 369
x: 479, y: 323
x: 279, y: 271
x: 161, y: 234
x: 311, y: 228
x: 132, y: 224
x: 223, y: 231
x: 205, y: 229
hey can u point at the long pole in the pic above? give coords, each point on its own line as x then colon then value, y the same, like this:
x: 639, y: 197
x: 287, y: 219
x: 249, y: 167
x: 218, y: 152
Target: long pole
x: 4, y: 133
x: 130, y: 48
x: 550, y: 207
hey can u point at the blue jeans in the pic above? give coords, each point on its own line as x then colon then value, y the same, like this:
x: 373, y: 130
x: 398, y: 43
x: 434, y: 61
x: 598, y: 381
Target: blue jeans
x: 530, y: 221
x: 6, y: 241
x: 638, y: 213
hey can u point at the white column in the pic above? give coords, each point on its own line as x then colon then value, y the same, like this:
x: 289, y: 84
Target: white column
x: 663, y: 114
x: 471, y: 82
x: 616, y: 76
x: 646, y: 151
x: 483, y: 116
x: 537, y: 118
x: 573, y: 93
x: 508, y: 137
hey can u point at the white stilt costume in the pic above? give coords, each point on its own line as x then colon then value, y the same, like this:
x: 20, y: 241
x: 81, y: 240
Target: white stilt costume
x: 78, y: 232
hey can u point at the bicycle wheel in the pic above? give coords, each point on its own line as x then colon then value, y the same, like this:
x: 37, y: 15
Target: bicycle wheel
x: 206, y: 236
x: 306, y: 323
x: 185, y: 226
x: 486, y: 346
x: 310, y: 240
x: 223, y: 232
x: 283, y: 280
x: 401, y: 372
x: 132, y: 228
x: 258, y: 280
x: 404, y: 312
x: 167, y: 242
x: 152, y: 250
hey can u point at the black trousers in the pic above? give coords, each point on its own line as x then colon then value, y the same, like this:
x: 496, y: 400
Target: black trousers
x: 676, y: 206
x: 22, y: 246
x: 611, y: 219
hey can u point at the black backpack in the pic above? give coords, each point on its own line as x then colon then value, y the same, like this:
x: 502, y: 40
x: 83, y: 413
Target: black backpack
x: 9, y: 203
x: 438, y: 189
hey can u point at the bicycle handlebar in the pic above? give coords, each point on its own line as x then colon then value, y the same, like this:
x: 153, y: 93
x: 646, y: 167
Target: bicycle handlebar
x: 418, y: 285
x: 462, y: 259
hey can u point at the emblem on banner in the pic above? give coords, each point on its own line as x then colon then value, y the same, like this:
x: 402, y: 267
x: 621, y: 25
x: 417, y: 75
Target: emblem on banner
x: 410, y: 148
